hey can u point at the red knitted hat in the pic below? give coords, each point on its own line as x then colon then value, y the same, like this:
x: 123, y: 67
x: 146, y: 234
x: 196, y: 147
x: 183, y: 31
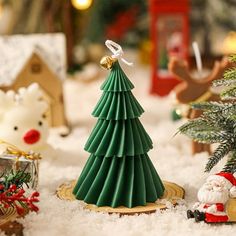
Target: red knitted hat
x: 228, y: 179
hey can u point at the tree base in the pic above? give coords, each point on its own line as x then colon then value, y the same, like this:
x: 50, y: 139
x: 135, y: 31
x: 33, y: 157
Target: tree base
x: 173, y: 193
x: 8, y: 223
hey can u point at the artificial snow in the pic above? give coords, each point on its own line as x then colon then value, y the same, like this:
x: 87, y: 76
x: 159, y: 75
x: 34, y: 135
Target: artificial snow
x: 171, y: 156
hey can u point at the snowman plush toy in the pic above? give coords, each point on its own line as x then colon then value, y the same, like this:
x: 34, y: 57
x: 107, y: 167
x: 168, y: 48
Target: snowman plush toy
x: 22, y: 119
x: 212, y: 197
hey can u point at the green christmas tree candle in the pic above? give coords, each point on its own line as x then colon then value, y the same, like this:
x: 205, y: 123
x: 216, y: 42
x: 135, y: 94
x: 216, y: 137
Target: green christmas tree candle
x: 119, y: 171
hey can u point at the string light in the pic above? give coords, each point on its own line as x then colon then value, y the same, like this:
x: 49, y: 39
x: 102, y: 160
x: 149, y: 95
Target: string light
x: 229, y: 44
x: 81, y: 4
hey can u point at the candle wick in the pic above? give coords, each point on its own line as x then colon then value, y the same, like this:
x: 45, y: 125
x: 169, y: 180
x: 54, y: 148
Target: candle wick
x: 197, y: 58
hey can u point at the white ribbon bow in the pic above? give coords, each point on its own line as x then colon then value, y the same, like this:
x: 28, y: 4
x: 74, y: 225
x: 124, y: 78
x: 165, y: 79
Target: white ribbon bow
x: 117, y: 51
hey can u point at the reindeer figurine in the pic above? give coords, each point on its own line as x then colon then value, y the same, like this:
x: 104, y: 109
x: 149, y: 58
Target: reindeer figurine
x: 193, y: 90
x: 22, y: 121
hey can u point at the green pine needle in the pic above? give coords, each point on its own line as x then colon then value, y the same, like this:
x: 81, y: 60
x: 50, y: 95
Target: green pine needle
x: 213, y: 106
x: 229, y: 93
x: 229, y: 78
x: 229, y: 81
x: 232, y: 58
x: 230, y: 165
x: 230, y: 74
x: 203, y: 136
x: 19, y: 178
x: 224, y: 82
x: 222, y: 150
x: 191, y: 124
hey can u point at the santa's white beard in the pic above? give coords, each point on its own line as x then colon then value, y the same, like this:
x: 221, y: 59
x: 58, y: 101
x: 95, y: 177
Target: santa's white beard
x: 211, y: 196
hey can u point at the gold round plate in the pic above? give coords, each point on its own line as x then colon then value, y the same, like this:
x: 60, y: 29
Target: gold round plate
x: 173, y: 193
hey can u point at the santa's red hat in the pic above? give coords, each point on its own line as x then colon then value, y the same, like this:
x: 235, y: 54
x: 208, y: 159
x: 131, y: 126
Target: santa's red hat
x: 228, y: 179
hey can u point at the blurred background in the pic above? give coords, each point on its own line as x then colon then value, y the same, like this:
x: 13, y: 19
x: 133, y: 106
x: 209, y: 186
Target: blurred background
x: 88, y: 23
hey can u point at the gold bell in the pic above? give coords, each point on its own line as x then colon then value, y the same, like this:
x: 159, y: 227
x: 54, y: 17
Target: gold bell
x: 106, y: 62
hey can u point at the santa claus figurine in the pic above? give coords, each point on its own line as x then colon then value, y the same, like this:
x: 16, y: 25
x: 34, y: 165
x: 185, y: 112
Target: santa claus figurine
x: 212, y: 197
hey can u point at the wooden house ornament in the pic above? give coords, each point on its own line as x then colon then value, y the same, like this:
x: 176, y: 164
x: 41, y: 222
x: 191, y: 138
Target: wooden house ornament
x: 169, y: 31
x: 39, y: 58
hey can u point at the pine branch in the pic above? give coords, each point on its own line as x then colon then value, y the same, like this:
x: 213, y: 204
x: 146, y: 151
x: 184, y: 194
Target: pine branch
x: 211, y: 128
x: 230, y: 165
x: 226, y: 109
x: 217, y: 123
x: 221, y: 120
x: 229, y: 93
x: 232, y: 58
x: 230, y: 74
x: 224, y: 82
x: 203, y: 136
x: 214, y: 126
x: 198, y: 122
x: 213, y: 106
x: 222, y: 150
x: 229, y: 110
x: 229, y: 78
x: 18, y: 178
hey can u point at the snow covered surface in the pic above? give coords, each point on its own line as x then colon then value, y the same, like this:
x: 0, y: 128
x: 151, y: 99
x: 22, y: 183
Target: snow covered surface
x: 171, y: 157
x: 16, y: 50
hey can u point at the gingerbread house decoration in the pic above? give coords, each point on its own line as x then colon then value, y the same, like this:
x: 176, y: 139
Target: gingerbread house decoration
x: 39, y: 58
